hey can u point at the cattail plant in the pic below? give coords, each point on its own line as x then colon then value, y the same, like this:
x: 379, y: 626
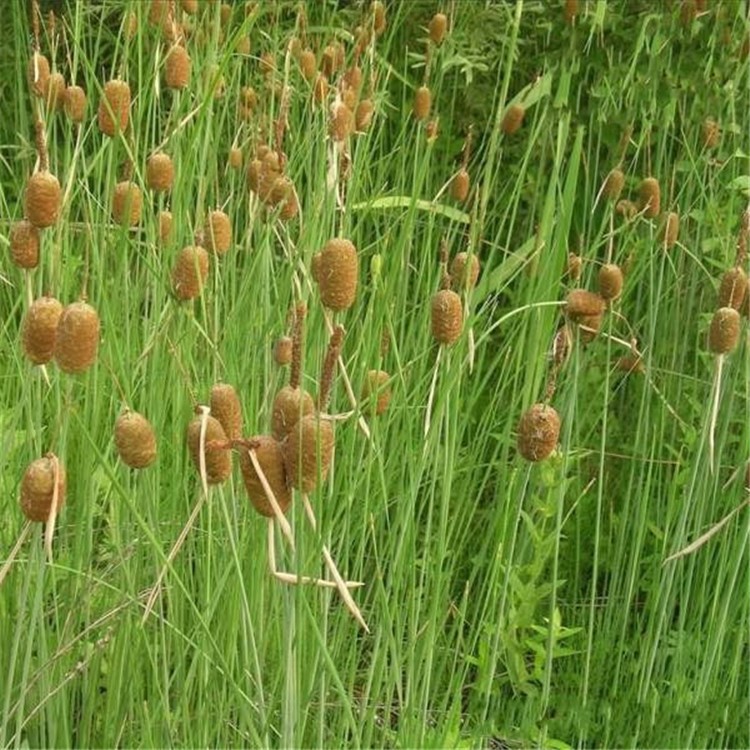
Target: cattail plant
x: 177, y: 67
x: 42, y: 195
x: 733, y: 288
x: 77, y: 338
x: 38, y: 74
x: 464, y: 271
x: 114, y: 108
x: 710, y: 133
x: 513, y: 119
x: 437, y: 28
x: 190, y: 272
x: 270, y: 456
x: 447, y: 316
x: 235, y: 157
x: 460, y: 185
x: 282, y: 351
x: 613, y: 184
x: 670, y: 230
x: 292, y: 402
x: 575, y: 266
x: 377, y: 8
x: 127, y: 204
x: 218, y: 232
x: 308, y: 65
x: 649, y: 197
x: 341, y: 123
x: 571, y: 10
x: 74, y: 103
x: 42, y: 488
x: 538, y: 432
x: 217, y: 461
x: 422, y: 103
x: 610, y: 282
x: 189, y: 6
x: 165, y: 226
x: 226, y: 407
x: 24, y: 244
x: 159, y: 172
x: 337, y: 271
x: 363, y: 115
x: 378, y: 390
x: 586, y: 310
x: 135, y: 440
x: 627, y: 209
x: 320, y: 88
x: 723, y: 336
x: 39, y: 329
x: 54, y: 92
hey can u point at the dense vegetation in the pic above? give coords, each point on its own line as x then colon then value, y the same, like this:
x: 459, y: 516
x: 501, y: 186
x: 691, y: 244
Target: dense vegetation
x: 510, y: 602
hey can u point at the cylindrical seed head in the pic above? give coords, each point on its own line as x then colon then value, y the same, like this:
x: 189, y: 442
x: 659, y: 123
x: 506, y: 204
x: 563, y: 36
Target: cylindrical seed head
x: 710, y: 133
x: 127, y: 203
x: 308, y: 451
x: 571, y: 10
x: 582, y: 303
x: 189, y: 6
x: 464, y: 271
x: 282, y: 351
x: 218, y: 232
x: 289, y: 406
x: 320, y: 89
x: 165, y: 226
x: 513, y: 119
x: 575, y: 265
x: 190, y: 272
x: 378, y: 17
x: 363, y: 115
x: 38, y: 74
x: 610, y: 281
x: 75, y: 103
x: 177, y: 68
x: 24, y: 244
x: 54, y: 92
x: 341, y: 123
x: 589, y: 326
x: 42, y: 199
x: 733, y: 288
x: 337, y: 274
x: 649, y: 197
x: 114, y: 108
x: 670, y: 230
x: 159, y: 172
x: 135, y: 440
x: 235, y: 158
x: 725, y: 330
x: 438, y: 27
x: 377, y: 387
x: 538, y: 432
x: 270, y: 457
x: 39, y: 329
x: 447, y: 316
x: 77, y: 338
x: 627, y: 209
x: 38, y: 487
x: 218, y: 461
x: 422, y: 103
x: 226, y: 407
x: 613, y: 184
x: 460, y: 185
x: 307, y: 65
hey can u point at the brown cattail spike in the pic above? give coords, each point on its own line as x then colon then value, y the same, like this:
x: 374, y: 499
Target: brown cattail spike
x: 610, y: 281
x: 571, y: 10
x: 320, y: 89
x: 135, y: 440
x: 513, y: 119
x: 38, y: 74
x: 422, y: 103
x: 329, y: 366
x: 725, y: 330
x: 177, y: 68
x: 464, y: 271
x: 159, y: 172
x: 127, y: 203
x: 337, y: 274
x: 363, y: 115
x: 218, y: 232
x: 627, y: 209
x: 218, y: 460
x: 38, y: 487
x: 447, y: 316
x: 24, y: 244
x: 114, y: 108
x: 39, y: 329
x: 649, y: 197
x: 235, y: 158
x: 671, y: 230
x: 77, y: 338
x: 190, y: 272
x: 298, y: 339
x: 378, y: 17
x: 270, y: 456
x: 226, y: 407
x: 282, y: 351
x: 613, y: 184
x: 581, y: 303
x: 308, y: 452
x: 289, y: 406
x: 42, y: 199
x: 54, y: 93
x: 438, y: 27
x: 377, y: 387
x: 342, y: 122
x: 710, y: 133
x: 165, y: 226
x: 74, y: 103
x: 575, y: 265
x: 733, y: 288
x: 308, y: 66
x: 538, y: 432
x: 460, y: 185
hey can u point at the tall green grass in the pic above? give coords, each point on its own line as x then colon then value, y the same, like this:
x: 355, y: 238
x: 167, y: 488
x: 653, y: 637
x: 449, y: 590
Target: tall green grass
x: 510, y: 604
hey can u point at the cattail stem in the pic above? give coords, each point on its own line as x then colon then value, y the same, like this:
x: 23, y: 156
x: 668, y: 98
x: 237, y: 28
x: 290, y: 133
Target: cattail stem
x: 205, y: 411
x: 40, y: 138
x: 341, y: 585
x: 14, y: 552
x: 286, y: 529
x: 298, y: 333
x: 49, y: 529
x: 329, y: 366
x: 714, y: 409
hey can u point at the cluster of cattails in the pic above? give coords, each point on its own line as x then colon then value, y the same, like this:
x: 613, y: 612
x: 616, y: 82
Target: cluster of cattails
x: 266, y: 178
x: 69, y: 335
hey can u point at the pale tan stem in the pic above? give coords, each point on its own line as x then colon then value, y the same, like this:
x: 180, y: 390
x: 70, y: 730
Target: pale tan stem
x: 351, y: 605
x: 14, y: 552
x: 714, y: 410
x: 286, y: 529
x: 49, y: 529
x: 156, y: 588
x: 205, y: 411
